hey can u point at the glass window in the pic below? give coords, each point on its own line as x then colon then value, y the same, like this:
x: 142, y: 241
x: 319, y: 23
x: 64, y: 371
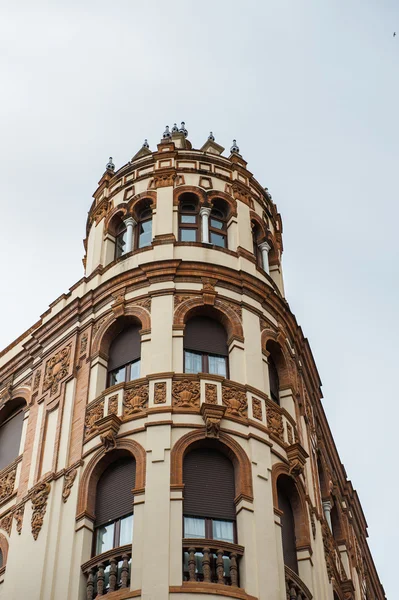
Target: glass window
x: 145, y: 235
x: 223, y: 530
x: 192, y: 362
x: 126, y: 530
x: 117, y: 376
x: 188, y: 219
x: 217, y: 239
x: 135, y: 370
x: 194, y: 527
x: 217, y: 365
x: 105, y: 538
x: 120, y: 244
x: 216, y: 224
x: 188, y: 235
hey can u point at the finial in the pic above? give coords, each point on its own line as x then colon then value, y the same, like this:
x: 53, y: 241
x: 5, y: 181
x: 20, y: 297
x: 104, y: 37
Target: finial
x: 146, y: 144
x: 183, y: 129
x: 268, y: 194
x: 234, y: 147
x: 175, y: 128
x: 211, y: 137
x: 110, y: 165
x: 166, y: 133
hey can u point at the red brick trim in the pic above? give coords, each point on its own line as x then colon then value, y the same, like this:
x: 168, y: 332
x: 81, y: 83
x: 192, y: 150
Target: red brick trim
x: 183, y: 189
x: 108, y: 328
x: 222, y: 311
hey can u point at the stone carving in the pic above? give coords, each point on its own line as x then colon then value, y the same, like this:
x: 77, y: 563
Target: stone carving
x: 164, y: 180
x: 212, y: 415
x: 312, y: 522
x: 160, y: 392
x: 257, y: 408
x: 180, y: 298
x: 211, y: 393
x: 108, y: 440
x: 234, y: 307
x: 39, y: 505
x: 290, y: 434
x: 275, y: 422
x: 235, y: 401
x: 265, y: 325
x: 36, y: 381
x: 98, y: 324
x: 101, y: 211
x: 113, y: 405
x: 135, y: 400
x: 186, y: 394
x: 297, y: 456
x: 93, y: 414
x: 5, y: 395
x: 107, y: 428
x: 83, y: 344
x: 68, y: 483
x: 144, y: 303
x: 56, y: 369
x: 7, y: 482
x: 6, y: 523
x: 19, y: 517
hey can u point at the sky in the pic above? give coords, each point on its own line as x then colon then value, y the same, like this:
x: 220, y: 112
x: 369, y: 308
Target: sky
x: 309, y: 89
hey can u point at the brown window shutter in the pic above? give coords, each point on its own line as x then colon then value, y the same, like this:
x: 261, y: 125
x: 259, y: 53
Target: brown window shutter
x: 125, y: 348
x: 209, y: 490
x: 203, y: 334
x: 10, y: 437
x: 114, y: 498
x: 288, y: 528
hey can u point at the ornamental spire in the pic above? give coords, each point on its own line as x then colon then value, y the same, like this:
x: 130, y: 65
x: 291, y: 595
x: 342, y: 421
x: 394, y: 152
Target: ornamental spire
x: 211, y: 137
x: 175, y: 128
x: 183, y: 129
x: 110, y: 165
x: 235, y: 148
x: 146, y: 144
x: 166, y: 133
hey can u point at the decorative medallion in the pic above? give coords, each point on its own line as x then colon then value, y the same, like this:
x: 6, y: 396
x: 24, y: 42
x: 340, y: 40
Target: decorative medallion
x: 56, y: 369
x: 7, y: 482
x: 257, y: 408
x: 160, y: 392
x: 211, y: 393
x: 236, y: 402
x: 186, y: 394
x: 135, y: 400
x: 275, y: 422
x: 39, y: 505
x: 68, y: 483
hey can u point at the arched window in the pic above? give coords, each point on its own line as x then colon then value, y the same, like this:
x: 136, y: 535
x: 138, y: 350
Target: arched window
x: 144, y: 228
x: 208, y: 508
x: 11, y: 421
x: 114, y: 506
x: 120, y: 240
x: 276, y: 366
x: 285, y: 493
x: 274, y: 380
x: 188, y: 218
x: 124, y: 356
x: 218, y: 224
x: 256, y: 238
x: 205, y: 347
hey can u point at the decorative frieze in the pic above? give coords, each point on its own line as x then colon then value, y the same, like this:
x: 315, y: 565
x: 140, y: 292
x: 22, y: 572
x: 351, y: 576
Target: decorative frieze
x: 6, y: 523
x: 57, y: 367
x: 68, y: 483
x: 275, y: 422
x: 113, y: 405
x: 160, y: 392
x: 257, y: 408
x: 7, y: 482
x: 211, y: 393
x: 186, y: 393
x: 235, y: 401
x: 39, y: 505
x: 93, y: 414
x: 135, y: 400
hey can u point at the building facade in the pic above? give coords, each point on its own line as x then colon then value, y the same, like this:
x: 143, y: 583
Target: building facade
x: 161, y: 429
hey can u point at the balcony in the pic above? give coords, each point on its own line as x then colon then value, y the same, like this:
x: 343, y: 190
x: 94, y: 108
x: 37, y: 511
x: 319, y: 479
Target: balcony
x: 108, y: 572
x: 211, y: 561
x: 296, y: 589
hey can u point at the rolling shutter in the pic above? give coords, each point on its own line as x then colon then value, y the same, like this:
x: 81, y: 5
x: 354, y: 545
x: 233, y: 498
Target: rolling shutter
x: 125, y: 348
x: 10, y: 438
x: 114, y: 498
x: 203, y: 334
x: 209, y: 489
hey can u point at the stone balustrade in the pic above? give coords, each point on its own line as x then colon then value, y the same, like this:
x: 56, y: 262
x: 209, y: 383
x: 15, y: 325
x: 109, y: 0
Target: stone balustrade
x: 108, y: 572
x: 211, y: 561
x: 296, y: 589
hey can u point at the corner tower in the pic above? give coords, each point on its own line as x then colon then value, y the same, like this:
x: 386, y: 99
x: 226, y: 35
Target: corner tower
x: 161, y: 430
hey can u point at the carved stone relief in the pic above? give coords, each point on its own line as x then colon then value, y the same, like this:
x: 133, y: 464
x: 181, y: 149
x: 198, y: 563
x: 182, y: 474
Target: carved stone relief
x: 275, y: 422
x: 93, y: 414
x: 211, y: 393
x: 212, y: 415
x: 6, y: 523
x: 57, y: 367
x: 257, y: 408
x: 7, y: 482
x: 68, y: 483
x: 19, y: 517
x: 186, y: 394
x: 39, y: 505
x: 235, y: 401
x: 135, y: 400
x: 160, y: 392
x: 113, y: 405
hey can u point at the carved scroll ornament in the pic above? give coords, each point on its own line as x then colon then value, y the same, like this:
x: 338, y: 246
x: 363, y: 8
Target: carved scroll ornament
x: 39, y: 505
x: 93, y: 414
x: 57, y: 367
x: 68, y: 483
x: 7, y: 482
x: 160, y: 392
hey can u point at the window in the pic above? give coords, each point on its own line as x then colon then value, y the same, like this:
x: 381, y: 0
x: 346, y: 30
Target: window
x: 144, y: 229
x: 124, y: 356
x: 218, y: 225
x: 205, y: 347
x: 188, y: 218
x: 274, y: 380
x: 120, y: 240
x: 285, y: 491
x: 1, y: 558
x: 11, y: 421
x: 256, y: 235
x: 114, y: 506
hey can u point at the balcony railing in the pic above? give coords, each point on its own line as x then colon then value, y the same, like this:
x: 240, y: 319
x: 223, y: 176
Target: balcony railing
x: 296, y: 589
x: 108, y: 572
x: 211, y: 561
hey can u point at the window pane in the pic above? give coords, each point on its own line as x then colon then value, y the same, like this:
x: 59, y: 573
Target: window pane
x: 188, y: 235
x: 126, y: 534
x: 218, y: 240
x: 120, y: 244
x: 194, y: 527
x: 223, y: 530
x: 192, y: 362
x: 135, y: 370
x: 188, y: 218
x: 117, y: 376
x: 145, y: 237
x: 217, y: 365
x: 216, y: 224
x: 105, y: 538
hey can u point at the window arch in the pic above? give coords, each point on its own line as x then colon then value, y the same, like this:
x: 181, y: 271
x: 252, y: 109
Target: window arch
x: 286, y: 492
x: 188, y: 218
x: 276, y: 365
x: 113, y: 525
x: 256, y: 240
x: 218, y: 223
x: 144, y: 225
x: 11, y: 422
x: 124, y: 356
x: 205, y: 346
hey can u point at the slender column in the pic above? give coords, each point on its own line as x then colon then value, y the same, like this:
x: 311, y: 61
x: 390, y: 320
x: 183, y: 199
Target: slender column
x: 130, y: 225
x: 204, y: 213
x: 264, y: 247
x: 327, y: 512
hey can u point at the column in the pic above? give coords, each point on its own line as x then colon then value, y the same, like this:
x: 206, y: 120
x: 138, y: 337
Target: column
x: 327, y: 511
x: 130, y: 224
x: 204, y: 213
x: 264, y: 248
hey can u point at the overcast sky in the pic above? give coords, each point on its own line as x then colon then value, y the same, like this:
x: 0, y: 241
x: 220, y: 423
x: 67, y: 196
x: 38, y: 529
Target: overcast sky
x: 310, y: 90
